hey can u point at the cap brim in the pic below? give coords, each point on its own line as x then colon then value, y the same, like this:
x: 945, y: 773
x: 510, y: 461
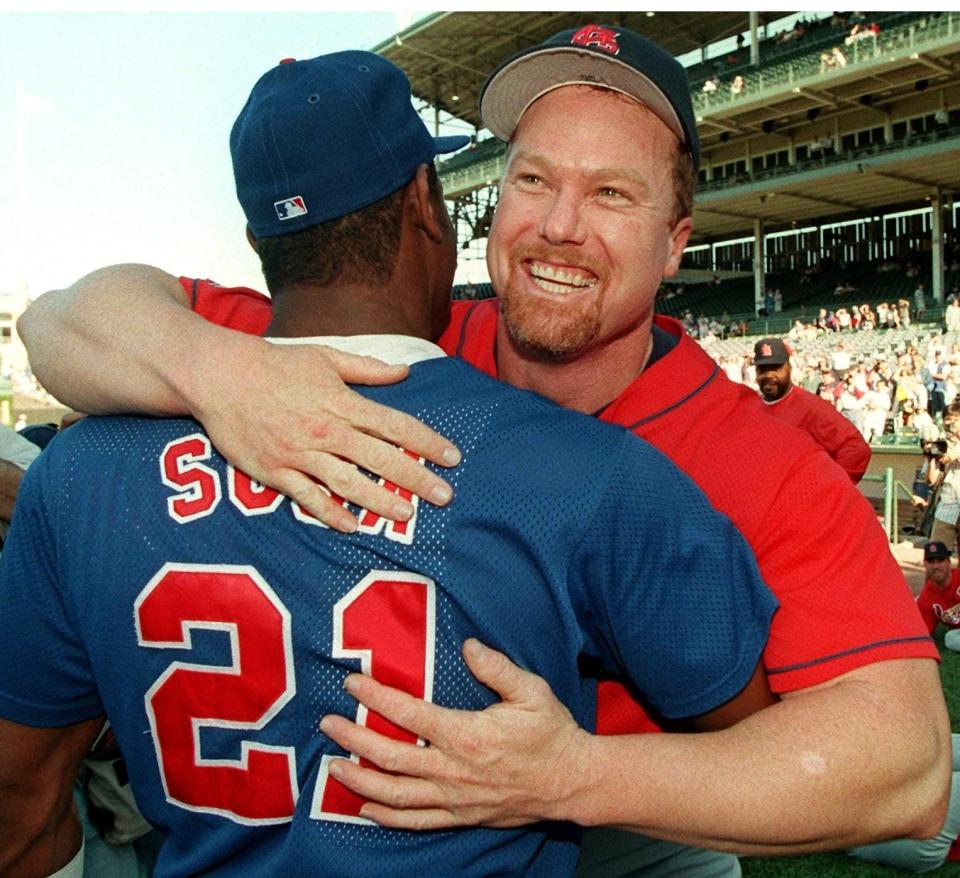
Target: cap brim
x: 450, y: 143
x: 513, y: 88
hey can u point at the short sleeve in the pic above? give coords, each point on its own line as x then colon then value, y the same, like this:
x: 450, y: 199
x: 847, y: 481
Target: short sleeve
x: 676, y: 601
x: 45, y: 676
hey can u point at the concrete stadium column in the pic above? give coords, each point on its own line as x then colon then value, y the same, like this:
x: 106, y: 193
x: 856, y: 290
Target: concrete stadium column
x: 757, y: 264
x: 936, y: 243
x: 754, y: 37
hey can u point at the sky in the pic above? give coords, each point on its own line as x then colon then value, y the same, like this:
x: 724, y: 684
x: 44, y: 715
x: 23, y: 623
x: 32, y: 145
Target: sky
x: 122, y: 152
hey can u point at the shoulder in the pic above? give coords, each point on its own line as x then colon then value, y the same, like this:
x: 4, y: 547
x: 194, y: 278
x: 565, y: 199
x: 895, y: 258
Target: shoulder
x: 240, y: 308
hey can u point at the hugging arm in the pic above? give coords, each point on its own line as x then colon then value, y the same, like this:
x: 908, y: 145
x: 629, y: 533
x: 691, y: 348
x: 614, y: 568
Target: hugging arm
x: 864, y: 757
x: 125, y: 340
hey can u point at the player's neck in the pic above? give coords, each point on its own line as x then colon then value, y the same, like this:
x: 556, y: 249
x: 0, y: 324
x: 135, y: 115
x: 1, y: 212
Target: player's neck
x: 304, y: 310
x: 587, y: 383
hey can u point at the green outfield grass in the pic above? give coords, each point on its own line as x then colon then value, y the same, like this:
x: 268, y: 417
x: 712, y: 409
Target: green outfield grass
x: 840, y: 865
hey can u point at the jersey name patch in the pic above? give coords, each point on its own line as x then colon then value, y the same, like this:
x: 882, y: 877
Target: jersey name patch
x: 198, y: 492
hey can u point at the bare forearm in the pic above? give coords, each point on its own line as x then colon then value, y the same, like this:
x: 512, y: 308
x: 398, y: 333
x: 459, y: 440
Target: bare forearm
x: 834, y: 767
x: 123, y: 339
x: 27, y: 851
x: 39, y: 829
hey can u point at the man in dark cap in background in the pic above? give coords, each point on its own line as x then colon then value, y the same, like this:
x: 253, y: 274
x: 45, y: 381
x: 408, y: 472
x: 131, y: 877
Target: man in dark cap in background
x: 807, y: 411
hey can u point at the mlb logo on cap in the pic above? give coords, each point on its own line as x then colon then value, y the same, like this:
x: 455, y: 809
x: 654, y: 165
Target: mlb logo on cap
x: 289, y: 208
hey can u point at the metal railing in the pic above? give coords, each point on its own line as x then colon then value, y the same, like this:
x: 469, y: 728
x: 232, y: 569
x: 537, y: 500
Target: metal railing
x: 760, y: 84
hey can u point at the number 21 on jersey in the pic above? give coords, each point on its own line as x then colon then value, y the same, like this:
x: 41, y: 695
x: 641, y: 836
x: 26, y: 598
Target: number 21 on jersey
x: 387, y: 621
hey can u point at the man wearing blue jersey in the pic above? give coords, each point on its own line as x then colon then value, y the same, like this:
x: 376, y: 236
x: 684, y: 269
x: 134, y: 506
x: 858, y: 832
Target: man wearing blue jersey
x: 214, y: 621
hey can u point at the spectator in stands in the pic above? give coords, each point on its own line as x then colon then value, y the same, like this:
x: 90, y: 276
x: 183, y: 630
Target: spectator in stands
x: 876, y: 407
x: 839, y: 59
x: 868, y: 320
x: 711, y: 85
x: 947, y: 476
x: 737, y: 86
x: 844, y: 288
x: 951, y: 315
x: 882, y: 315
x: 768, y: 303
x: 827, y: 61
x: 838, y: 437
x: 919, y: 297
x: 952, y: 385
x: 936, y: 383
x: 777, y: 301
x: 850, y: 402
x: 903, y: 309
x: 843, y: 319
x: 840, y: 361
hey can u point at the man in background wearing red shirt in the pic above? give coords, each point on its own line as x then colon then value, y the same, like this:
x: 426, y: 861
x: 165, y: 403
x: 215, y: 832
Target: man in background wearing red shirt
x: 807, y: 411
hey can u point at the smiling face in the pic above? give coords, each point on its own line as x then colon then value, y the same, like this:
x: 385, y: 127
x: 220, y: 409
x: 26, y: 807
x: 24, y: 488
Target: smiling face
x: 585, y: 228
x: 938, y: 571
x: 773, y: 381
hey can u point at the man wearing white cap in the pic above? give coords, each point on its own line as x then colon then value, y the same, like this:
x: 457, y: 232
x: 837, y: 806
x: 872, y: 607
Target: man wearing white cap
x: 594, y: 211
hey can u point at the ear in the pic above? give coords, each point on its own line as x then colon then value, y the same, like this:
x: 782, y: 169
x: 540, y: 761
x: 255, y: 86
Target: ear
x: 678, y: 240
x: 252, y: 240
x: 424, y: 205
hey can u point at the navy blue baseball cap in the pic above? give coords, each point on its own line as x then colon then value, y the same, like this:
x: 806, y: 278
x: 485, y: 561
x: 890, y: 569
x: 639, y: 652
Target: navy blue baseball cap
x: 600, y: 55
x: 321, y: 138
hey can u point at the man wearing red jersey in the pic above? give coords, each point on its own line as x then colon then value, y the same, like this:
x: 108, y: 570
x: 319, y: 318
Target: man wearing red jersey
x: 806, y: 411
x: 595, y: 209
x: 939, y: 600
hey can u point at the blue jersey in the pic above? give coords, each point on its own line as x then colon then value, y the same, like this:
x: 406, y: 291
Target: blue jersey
x: 214, y: 621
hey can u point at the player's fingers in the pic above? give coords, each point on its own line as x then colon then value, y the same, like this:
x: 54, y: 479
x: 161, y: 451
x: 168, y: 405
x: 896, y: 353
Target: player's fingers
x: 357, y: 369
x: 388, y: 462
x: 495, y: 670
x: 347, y: 482
x: 388, y: 789
x: 399, y: 757
x: 400, y: 429
x: 423, y: 718
x: 314, y: 500
x: 423, y: 819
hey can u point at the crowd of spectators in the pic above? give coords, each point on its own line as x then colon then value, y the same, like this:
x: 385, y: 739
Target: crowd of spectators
x: 897, y: 379
x: 851, y: 28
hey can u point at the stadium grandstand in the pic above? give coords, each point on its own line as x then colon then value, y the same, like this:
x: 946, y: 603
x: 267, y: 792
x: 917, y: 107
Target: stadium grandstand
x: 827, y: 188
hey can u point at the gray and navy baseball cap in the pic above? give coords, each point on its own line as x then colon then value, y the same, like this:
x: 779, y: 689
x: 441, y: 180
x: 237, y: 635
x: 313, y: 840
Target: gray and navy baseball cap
x: 321, y: 138
x: 600, y: 55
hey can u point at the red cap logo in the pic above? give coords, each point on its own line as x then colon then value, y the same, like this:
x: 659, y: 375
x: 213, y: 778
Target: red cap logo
x: 766, y: 351
x: 596, y: 35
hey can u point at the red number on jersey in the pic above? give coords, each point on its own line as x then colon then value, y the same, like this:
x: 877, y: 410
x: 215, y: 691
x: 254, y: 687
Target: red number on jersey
x: 261, y: 786
x: 388, y: 621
